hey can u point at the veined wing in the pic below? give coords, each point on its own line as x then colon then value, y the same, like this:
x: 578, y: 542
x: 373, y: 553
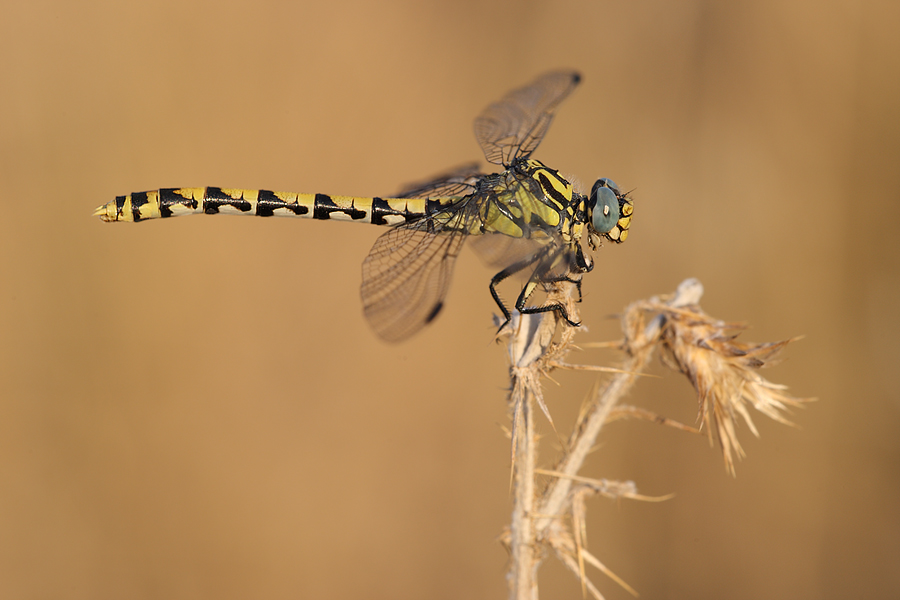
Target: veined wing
x: 498, y: 251
x: 457, y: 182
x: 514, y: 126
x: 408, y: 271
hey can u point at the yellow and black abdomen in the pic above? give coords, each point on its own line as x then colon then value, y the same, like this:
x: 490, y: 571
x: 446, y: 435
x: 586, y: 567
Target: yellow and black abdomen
x: 172, y: 202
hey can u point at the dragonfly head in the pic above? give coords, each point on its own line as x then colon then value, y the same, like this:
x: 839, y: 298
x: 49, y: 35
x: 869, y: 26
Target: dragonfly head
x: 609, y: 210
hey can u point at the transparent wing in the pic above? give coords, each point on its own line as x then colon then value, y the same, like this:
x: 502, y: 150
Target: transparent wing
x: 407, y: 274
x: 498, y: 251
x: 458, y: 182
x: 514, y: 126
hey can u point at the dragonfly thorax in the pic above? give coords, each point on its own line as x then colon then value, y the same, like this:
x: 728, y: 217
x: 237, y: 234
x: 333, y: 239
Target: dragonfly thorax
x: 526, y: 198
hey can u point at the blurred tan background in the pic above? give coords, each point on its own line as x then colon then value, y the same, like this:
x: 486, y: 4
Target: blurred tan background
x: 195, y: 408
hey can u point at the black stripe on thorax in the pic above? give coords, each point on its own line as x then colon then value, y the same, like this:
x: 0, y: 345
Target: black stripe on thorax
x: 214, y: 198
x: 324, y: 206
x: 168, y: 198
x: 267, y: 203
x: 550, y: 190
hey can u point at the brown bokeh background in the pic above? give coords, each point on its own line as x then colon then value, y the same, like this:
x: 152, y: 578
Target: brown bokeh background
x: 196, y: 409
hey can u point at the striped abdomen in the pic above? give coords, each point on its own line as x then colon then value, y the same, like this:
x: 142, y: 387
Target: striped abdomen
x: 172, y: 202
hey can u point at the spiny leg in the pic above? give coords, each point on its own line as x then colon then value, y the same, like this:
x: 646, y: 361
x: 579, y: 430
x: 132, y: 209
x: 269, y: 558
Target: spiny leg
x: 539, y: 276
x: 569, y: 279
x: 577, y: 268
x: 504, y: 274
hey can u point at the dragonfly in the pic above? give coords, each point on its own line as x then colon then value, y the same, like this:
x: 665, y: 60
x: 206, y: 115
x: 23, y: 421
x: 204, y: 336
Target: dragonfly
x: 526, y: 220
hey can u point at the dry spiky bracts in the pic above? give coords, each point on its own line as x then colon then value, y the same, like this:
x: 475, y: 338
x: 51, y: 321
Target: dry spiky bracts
x: 722, y: 370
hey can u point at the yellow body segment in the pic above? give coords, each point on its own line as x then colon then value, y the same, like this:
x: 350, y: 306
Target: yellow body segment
x: 171, y: 202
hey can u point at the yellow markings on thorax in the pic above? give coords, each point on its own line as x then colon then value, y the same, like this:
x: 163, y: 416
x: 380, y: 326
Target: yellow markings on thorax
x: 521, y: 208
x: 518, y: 210
x: 535, y: 207
x: 493, y: 219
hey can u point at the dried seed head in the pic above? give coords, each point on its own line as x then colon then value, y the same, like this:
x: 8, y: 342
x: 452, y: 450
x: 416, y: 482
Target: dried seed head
x: 722, y: 370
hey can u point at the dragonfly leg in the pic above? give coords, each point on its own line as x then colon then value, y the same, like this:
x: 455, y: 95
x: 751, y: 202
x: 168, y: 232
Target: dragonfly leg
x: 582, y: 265
x: 556, y: 307
x: 504, y: 274
x: 570, y: 279
x: 496, y: 296
x: 539, y: 276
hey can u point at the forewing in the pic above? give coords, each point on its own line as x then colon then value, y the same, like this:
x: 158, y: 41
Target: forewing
x: 458, y: 182
x: 406, y: 277
x: 514, y: 126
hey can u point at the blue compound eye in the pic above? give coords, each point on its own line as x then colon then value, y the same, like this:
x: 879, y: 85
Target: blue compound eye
x: 610, y: 184
x: 605, y: 213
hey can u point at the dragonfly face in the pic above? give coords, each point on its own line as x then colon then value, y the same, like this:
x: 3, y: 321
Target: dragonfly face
x: 529, y: 217
x: 609, y: 211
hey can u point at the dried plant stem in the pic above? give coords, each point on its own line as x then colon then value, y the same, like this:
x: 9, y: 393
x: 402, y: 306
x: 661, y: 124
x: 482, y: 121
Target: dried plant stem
x: 584, y: 437
x: 533, y: 352
x: 523, y: 580
x: 528, y: 348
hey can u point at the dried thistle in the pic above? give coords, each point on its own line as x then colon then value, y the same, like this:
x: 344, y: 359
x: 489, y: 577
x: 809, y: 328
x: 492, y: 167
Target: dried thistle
x: 723, y: 370
x: 545, y: 521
